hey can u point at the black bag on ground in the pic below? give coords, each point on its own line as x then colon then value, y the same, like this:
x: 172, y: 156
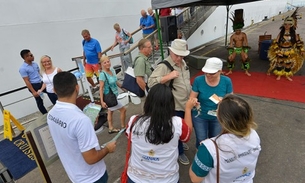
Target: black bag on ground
x: 101, y: 119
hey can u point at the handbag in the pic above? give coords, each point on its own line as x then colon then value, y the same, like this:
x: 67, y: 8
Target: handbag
x: 110, y: 98
x: 217, y: 155
x: 130, y: 83
x: 127, y: 37
x: 124, y: 176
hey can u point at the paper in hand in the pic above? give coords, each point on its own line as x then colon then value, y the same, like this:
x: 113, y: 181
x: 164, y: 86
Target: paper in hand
x: 115, y: 137
x: 215, y: 98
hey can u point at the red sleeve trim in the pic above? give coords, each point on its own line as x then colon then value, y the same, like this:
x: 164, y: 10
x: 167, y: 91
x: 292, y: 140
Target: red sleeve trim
x: 186, y: 132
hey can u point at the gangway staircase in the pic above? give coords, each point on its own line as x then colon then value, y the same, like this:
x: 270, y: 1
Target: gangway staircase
x: 191, y: 21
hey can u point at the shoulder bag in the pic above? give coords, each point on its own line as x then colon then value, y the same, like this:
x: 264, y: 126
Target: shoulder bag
x: 124, y: 176
x: 110, y: 98
x: 127, y: 37
x: 217, y: 155
x: 130, y: 82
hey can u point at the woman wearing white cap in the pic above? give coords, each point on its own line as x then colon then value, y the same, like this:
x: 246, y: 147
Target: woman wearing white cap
x: 209, y: 88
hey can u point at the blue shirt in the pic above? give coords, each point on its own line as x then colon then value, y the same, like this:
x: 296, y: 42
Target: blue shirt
x: 111, y: 82
x: 205, y: 91
x: 147, y: 22
x: 91, y: 49
x: 31, y: 71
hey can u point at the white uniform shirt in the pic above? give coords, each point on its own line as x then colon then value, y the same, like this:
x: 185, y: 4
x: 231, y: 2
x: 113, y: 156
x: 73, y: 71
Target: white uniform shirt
x: 151, y: 163
x: 237, y: 158
x: 73, y: 133
x: 48, y: 80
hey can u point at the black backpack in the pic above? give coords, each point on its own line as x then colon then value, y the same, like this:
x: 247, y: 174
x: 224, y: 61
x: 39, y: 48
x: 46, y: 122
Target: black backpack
x: 171, y: 68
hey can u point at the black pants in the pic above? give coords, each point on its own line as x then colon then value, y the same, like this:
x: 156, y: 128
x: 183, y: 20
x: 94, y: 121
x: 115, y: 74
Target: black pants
x: 52, y: 97
x: 180, y: 144
x: 38, y: 99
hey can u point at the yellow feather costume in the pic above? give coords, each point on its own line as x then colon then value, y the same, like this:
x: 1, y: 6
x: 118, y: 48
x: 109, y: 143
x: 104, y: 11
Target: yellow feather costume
x: 286, y: 53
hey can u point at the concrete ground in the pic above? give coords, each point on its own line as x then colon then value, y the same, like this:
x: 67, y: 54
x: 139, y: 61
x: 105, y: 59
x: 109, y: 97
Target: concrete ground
x: 281, y: 124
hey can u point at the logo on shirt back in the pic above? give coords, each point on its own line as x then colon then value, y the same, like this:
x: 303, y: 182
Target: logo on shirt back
x: 245, y: 170
x: 150, y: 157
x: 57, y: 121
x: 151, y: 153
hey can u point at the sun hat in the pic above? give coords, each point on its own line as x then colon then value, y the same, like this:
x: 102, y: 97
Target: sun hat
x: 178, y: 47
x: 212, y: 65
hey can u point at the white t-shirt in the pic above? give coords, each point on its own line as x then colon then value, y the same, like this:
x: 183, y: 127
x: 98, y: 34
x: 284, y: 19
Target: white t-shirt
x: 237, y: 158
x: 73, y: 133
x: 48, y: 80
x: 151, y: 163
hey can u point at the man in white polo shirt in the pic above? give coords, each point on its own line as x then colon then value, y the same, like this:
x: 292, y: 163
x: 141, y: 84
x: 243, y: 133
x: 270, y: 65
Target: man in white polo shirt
x: 73, y: 135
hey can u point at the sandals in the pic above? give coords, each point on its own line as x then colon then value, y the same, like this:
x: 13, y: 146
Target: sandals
x: 113, y: 130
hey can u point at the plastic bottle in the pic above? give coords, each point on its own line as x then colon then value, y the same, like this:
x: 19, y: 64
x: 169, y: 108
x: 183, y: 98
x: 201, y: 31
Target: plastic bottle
x: 41, y: 95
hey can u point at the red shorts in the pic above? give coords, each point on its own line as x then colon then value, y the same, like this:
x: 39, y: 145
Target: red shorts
x: 90, y: 69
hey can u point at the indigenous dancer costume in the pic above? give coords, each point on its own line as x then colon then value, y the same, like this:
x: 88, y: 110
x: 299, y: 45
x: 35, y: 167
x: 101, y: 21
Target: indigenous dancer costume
x: 238, y: 43
x: 286, y: 54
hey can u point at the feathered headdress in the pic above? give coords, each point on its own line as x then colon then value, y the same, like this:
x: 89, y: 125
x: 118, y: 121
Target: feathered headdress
x: 292, y: 19
x: 238, y: 19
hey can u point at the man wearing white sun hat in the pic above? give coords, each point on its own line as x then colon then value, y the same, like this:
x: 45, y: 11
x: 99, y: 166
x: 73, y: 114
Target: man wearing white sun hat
x: 174, y: 72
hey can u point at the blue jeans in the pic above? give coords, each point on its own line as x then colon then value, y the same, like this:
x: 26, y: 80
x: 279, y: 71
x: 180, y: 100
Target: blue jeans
x: 38, y: 99
x: 103, y: 179
x: 180, y: 144
x: 129, y: 180
x: 205, y: 128
x: 125, y: 60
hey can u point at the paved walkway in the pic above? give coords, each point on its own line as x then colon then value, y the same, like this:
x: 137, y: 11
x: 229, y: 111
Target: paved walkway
x: 281, y: 124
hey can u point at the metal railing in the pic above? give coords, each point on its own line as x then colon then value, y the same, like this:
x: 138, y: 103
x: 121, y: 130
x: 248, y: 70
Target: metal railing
x: 129, y: 52
x: 134, y: 47
x: 188, y: 21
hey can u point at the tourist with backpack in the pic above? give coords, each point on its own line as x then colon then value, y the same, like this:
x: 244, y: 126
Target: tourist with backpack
x: 122, y: 38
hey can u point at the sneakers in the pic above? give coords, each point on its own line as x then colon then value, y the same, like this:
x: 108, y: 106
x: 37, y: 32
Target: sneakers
x: 185, y: 146
x: 183, y: 159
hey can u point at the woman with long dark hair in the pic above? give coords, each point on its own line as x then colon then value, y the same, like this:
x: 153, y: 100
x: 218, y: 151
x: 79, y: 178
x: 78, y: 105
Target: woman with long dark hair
x: 237, y: 146
x: 155, y: 135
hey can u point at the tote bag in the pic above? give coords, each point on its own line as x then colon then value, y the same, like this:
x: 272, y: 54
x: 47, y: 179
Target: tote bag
x: 130, y: 83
